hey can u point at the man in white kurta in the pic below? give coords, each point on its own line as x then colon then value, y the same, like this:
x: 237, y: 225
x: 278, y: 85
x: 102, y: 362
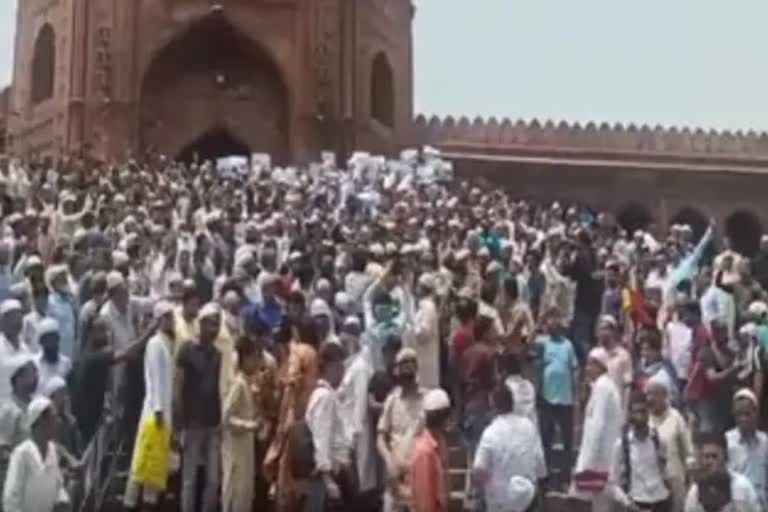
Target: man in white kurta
x: 602, y: 428
x: 158, y: 398
x: 11, y: 344
x: 34, y: 482
x: 426, y: 334
x: 353, y: 394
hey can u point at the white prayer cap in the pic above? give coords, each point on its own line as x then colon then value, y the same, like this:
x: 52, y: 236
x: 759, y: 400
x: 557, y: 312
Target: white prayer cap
x: 406, y: 354
x: 209, y: 310
x: 120, y: 258
x: 520, y: 494
x: 454, y: 223
x: 748, y: 329
x: 377, y: 249
x: 14, y: 218
x: 32, y: 262
x: 351, y: 321
x: 53, y: 385
x: 657, y: 382
x: 607, y: 321
x: 746, y: 394
x: 436, y: 400
x: 758, y: 308
x: 9, y: 305
x: 295, y: 255
x: 343, y: 301
x: 600, y: 355
x: 323, y: 285
x: 427, y: 280
x: 55, y: 272
x: 391, y: 248
x: 114, y: 280
x: 764, y: 239
x: 494, y: 267
x: 161, y: 309
x: 47, y: 325
x: 36, y: 408
x: 462, y: 254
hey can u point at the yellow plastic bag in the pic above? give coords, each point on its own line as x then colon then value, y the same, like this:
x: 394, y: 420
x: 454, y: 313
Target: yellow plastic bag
x: 152, y: 455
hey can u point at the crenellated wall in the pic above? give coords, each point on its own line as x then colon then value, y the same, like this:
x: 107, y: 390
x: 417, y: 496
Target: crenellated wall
x: 656, y: 143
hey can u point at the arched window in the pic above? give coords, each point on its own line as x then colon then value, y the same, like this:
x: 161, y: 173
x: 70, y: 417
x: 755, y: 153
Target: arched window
x: 743, y: 229
x: 44, y: 65
x: 382, y: 91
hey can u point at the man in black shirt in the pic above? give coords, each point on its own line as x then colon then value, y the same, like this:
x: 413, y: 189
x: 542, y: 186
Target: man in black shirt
x: 198, y: 410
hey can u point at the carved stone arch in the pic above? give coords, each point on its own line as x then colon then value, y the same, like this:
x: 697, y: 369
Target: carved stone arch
x: 633, y: 216
x: 693, y: 218
x: 209, y: 75
x: 382, y: 90
x: 43, y: 69
x: 744, y: 229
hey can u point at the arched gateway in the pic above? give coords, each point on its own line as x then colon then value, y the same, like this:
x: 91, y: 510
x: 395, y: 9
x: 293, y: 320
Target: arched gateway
x: 213, y: 90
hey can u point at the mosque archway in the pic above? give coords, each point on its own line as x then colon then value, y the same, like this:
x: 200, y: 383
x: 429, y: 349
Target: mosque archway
x: 214, y: 144
x: 693, y: 218
x: 634, y: 216
x: 214, y: 75
x: 744, y: 229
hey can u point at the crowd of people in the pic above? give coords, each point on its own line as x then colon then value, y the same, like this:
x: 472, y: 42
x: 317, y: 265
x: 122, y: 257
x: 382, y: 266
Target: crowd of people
x: 330, y: 338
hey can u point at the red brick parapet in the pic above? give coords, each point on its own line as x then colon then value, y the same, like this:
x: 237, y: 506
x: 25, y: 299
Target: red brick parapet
x: 617, y: 141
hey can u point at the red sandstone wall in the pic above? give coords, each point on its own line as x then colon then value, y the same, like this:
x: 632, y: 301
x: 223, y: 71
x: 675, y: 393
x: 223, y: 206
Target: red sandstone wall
x: 492, y: 134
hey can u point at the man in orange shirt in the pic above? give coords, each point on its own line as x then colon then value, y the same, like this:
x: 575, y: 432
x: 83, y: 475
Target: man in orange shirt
x: 428, y: 469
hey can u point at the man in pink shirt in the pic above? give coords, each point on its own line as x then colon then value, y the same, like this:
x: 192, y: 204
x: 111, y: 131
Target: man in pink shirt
x: 428, y: 468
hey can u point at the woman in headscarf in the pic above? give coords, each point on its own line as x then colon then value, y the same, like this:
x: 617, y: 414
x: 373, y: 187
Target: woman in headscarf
x: 675, y: 435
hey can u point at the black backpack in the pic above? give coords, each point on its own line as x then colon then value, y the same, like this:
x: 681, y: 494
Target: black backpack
x: 301, y: 451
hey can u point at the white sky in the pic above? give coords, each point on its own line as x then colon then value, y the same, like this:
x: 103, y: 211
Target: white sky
x: 680, y: 62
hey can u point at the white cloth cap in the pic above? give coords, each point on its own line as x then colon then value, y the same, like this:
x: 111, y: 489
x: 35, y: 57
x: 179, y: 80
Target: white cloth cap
x: 436, y: 400
x: 210, y: 309
x: 746, y: 394
x: 520, y: 494
x: 32, y: 262
x: 161, y: 309
x: 748, y: 329
x: 53, y: 384
x: 758, y: 308
x: 406, y: 354
x: 119, y: 258
x: 600, y: 355
x: 320, y: 308
x: 9, y: 305
x: 377, y: 249
x: 115, y: 279
x: 36, y: 408
x: 428, y: 280
x: 47, y: 325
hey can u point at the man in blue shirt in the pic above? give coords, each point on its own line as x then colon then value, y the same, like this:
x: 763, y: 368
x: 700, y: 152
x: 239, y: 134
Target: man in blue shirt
x: 558, y: 367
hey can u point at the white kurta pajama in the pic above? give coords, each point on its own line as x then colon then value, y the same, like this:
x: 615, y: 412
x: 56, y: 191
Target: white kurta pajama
x: 33, y: 484
x: 353, y: 395
x: 602, y: 429
x: 158, y: 397
x: 238, y: 447
x: 426, y: 342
